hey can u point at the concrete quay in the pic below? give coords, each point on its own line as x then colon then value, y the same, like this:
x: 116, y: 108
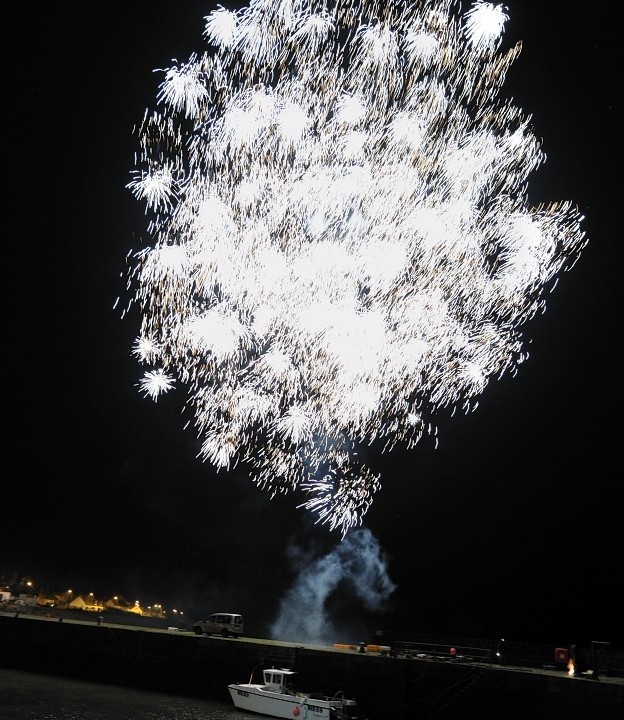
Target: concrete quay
x: 390, y: 688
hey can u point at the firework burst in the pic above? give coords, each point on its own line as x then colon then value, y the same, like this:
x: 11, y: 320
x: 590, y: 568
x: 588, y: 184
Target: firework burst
x: 342, y: 240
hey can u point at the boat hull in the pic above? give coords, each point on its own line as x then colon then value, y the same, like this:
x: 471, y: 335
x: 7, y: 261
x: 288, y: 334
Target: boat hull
x: 280, y: 705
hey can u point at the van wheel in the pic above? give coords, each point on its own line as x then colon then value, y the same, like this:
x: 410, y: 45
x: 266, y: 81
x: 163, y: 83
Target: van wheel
x: 224, y: 633
x: 197, y: 630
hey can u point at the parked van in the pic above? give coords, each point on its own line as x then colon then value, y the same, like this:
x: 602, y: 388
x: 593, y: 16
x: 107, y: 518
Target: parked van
x: 225, y: 624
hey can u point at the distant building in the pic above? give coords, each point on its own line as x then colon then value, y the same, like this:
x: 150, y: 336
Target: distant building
x: 154, y: 611
x: 88, y: 603
x: 120, y: 604
x: 27, y: 599
x: 47, y: 600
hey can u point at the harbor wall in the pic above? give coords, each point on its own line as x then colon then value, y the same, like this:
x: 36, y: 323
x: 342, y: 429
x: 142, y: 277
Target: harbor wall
x: 390, y: 688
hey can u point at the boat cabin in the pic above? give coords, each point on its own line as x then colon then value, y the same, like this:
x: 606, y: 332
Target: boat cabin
x: 279, y: 680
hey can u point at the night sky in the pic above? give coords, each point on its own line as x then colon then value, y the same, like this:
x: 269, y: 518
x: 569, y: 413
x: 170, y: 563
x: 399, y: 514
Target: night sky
x: 511, y: 527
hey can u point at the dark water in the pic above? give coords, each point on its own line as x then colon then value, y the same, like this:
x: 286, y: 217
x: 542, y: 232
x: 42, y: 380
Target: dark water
x: 29, y: 696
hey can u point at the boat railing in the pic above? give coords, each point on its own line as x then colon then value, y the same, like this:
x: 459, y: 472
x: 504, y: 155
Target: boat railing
x: 444, y: 652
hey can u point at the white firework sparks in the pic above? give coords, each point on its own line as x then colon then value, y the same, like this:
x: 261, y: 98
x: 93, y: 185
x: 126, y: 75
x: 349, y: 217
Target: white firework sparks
x: 342, y: 239
x: 156, y: 382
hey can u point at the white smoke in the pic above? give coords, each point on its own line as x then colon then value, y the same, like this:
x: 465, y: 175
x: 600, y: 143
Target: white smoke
x: 357, y: 564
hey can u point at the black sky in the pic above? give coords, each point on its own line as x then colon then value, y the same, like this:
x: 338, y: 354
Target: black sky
x: 512, y: 526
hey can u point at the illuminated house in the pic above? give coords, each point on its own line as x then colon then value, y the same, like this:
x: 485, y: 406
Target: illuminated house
x: 86, y: 602
x: 119, y: 603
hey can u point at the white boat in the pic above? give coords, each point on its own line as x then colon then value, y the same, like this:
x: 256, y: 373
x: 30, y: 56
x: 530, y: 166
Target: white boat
x: 277, y: 697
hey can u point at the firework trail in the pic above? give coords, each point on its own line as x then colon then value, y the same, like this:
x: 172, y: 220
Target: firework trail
x: 342, y: 240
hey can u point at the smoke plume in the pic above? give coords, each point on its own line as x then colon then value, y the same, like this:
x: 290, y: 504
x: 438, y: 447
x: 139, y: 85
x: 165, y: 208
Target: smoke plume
x: 357, y: 567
